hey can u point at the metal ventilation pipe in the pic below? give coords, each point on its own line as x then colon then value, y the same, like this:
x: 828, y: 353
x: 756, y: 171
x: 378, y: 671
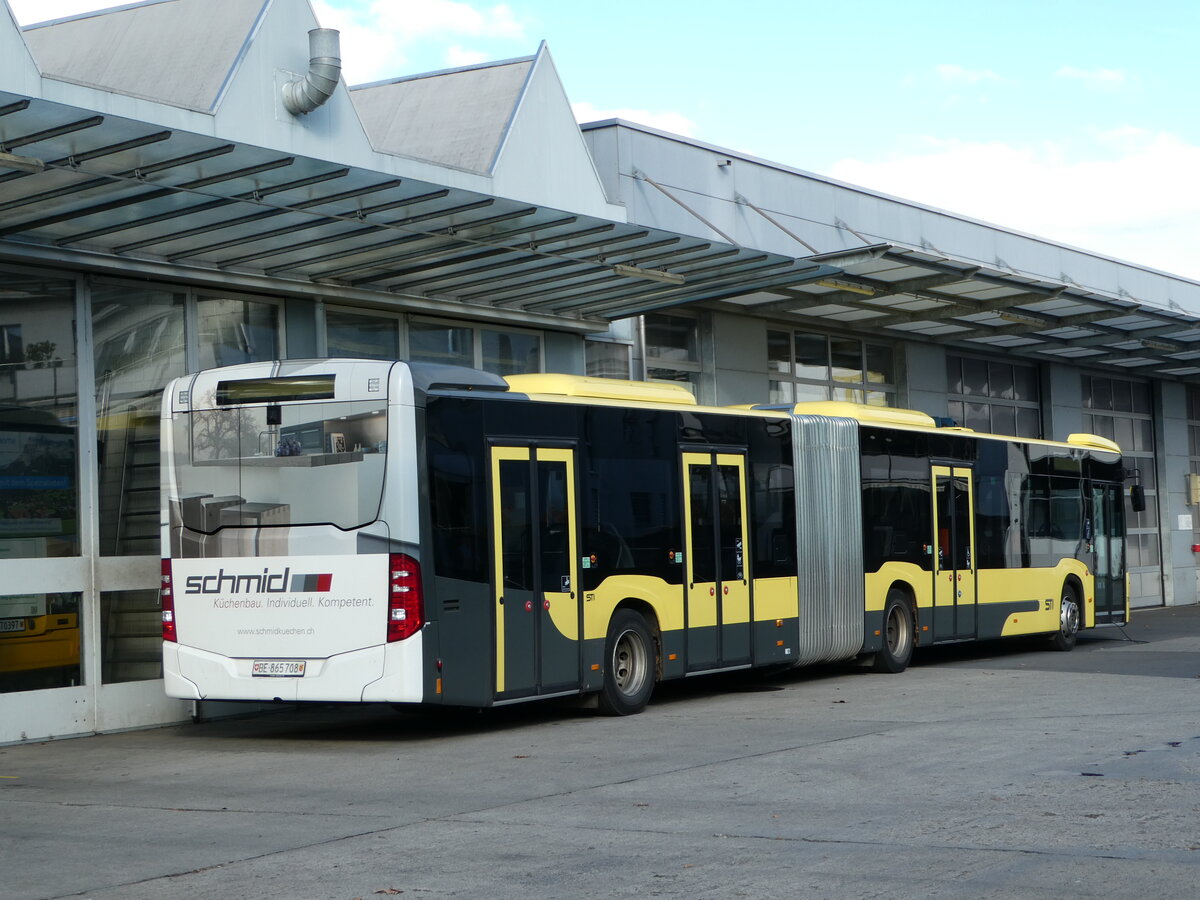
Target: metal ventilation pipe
x: 303, y: 95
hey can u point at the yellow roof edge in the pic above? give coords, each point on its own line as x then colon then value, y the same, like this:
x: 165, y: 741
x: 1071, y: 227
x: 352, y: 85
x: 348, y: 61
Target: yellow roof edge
x: 548, y: 383
x: 1093, y: 441
x: 870, y: 415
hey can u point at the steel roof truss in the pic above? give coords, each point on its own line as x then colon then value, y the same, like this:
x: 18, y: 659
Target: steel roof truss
x: 306, y: 204
x: 1063, y: 322
x: 369, y: 228
x: 428, y: 262
x: 143, y: 197
x: 95, y: 153
x: 10, y: 144
x: 605, y: 273
x: 569, y: 299
x: 10, y: 108
x: 430, y: 251
x: 587, y: 260
x: 175, y: 213
x: 224, y: 223
x: 92, y: 183
x: 335, y: 219
x: 713, y: 289
x: 451, y: 281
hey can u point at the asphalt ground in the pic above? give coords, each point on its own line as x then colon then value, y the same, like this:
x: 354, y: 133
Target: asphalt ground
x: 986, y: 770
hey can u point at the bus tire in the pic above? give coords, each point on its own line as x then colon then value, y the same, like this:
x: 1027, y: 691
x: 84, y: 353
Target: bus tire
x: 1068, y: 620
x: 898, y: 634
x: 629, y: 665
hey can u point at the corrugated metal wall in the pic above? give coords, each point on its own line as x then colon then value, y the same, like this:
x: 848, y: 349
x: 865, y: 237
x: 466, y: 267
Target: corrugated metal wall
x: 828, y: 538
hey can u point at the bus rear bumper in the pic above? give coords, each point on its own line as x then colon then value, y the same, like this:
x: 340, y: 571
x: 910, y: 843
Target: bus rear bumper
x: 387, y: 672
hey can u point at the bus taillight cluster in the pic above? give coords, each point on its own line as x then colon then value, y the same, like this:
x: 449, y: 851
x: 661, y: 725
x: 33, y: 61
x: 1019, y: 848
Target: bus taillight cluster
x: 406, y: 605
x: 167, y: 596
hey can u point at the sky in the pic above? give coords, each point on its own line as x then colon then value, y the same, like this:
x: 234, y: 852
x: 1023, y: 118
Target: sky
x: 1074, y: 120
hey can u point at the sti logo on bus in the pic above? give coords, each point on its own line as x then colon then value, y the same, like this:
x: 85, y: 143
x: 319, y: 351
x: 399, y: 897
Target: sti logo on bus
x: 266, y: 583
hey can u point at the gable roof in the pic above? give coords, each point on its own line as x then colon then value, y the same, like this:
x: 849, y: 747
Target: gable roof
x: 456, y: 117
x: 181, y: 53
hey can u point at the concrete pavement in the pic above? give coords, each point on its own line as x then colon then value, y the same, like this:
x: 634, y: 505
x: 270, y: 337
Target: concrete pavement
x: 996, y: 770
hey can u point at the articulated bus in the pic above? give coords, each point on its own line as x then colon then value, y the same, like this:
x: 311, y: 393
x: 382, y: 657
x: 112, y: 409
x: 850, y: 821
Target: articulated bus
x: 353, y: 530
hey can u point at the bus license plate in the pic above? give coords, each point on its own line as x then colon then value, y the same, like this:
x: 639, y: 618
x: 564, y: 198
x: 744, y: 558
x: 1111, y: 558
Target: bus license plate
x: 12, y: 625
x: 277, y: 668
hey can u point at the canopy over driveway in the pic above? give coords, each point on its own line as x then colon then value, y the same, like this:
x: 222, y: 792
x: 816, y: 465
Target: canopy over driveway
x: 901, y: 291
x: 120, y: 195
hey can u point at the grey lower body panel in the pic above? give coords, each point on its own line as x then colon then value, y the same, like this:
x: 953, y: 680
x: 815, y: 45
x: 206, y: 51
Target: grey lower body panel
x: 829, y: 534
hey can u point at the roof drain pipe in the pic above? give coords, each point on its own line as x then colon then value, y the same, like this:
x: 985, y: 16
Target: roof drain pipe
x: 303, y: 95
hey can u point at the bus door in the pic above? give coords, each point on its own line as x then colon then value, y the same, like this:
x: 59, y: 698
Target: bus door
x: 953, y: 553
x: 717, y: 567
x: 1108, y: 552
x: 535, y: 570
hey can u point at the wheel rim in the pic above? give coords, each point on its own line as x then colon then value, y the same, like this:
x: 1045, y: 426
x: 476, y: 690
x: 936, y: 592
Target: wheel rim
x: 1068, y: 616
x: 898, y: 632
x: 629, y: 663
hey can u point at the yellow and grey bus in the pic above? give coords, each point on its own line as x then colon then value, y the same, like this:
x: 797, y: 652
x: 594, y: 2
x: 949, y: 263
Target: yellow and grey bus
x: 356, y: 530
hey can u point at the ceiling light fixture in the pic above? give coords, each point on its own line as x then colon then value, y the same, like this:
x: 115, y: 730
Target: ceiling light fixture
x: 846, y: 286
x: 1025, y: 319
x: 1160, y: 345
x: 21, y: 163
x: 649, y: 274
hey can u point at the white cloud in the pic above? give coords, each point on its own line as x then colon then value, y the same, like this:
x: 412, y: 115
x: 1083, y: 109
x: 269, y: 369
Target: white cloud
x: 377, y: 36
x: 1132, y: 196
x: 1103, y: 79
x: 953, y: 74
x: 674, y: 122
x: 460, y: 56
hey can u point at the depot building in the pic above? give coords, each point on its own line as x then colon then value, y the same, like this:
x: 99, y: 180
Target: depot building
x: 191, y: 183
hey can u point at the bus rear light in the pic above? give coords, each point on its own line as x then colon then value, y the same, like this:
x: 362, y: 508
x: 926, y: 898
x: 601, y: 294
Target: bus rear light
x: 406, y: 604
x: 167, y: 598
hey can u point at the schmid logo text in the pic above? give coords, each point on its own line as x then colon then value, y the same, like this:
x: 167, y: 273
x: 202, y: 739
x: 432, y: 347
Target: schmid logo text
x: 266, y: 583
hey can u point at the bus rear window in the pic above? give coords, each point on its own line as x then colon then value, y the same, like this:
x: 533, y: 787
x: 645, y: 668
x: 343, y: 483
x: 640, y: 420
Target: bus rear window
x: 274, y: 390
x: 279, y: 465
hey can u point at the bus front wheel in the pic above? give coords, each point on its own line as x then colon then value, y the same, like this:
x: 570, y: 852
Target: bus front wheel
x: 897, y: 649
x: 1068, y: 621
x: 629, y: 665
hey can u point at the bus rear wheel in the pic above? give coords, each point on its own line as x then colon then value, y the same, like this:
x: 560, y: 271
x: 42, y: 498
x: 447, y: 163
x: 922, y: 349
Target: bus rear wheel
x: 893, y: 657
x: 629, y: 665
x: 1068, y: 621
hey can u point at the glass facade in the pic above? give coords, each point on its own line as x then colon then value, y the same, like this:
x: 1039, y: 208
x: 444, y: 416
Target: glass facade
x: 131, y: 636
x: 135, y: 337
x: 994, y: 397
x: 1120, y: 410
x: 360, y: 336
x: 235, y: 330
x: 40, y: 642
x: 39, y: 418
x: 672, y: 348
x: 500, y: 352
x: 804, y: 366
x: 606, y: 359
x: 1193, y: 482
x: 138, y: 334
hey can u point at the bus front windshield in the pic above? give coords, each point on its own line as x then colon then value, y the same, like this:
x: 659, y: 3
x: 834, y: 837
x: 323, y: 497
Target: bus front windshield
x: 280, y: 464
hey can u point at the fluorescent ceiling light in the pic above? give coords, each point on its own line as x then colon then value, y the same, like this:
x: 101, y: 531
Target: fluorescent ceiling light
x: 1024, y: 319
x: 20, y: 163
x: 1161, y: 345
x: 846, y: 286
x: 649, y: 274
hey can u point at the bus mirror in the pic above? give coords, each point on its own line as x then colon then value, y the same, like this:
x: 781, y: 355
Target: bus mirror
x: 1137, y: 498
